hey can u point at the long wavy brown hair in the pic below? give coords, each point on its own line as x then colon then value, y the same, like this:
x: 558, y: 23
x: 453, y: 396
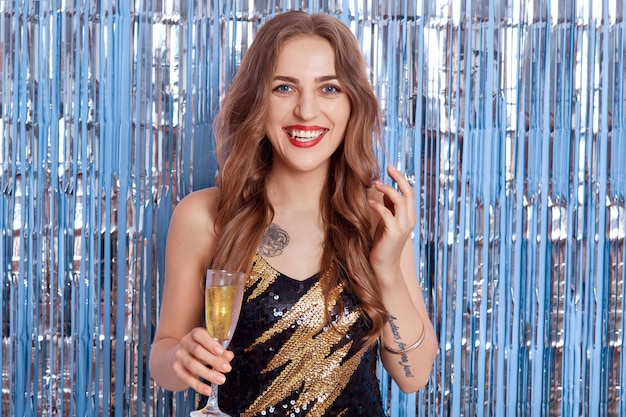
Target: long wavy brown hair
x: 245, y: 158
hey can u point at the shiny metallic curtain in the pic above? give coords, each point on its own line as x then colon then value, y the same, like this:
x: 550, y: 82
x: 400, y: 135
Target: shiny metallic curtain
x: 507, y: 115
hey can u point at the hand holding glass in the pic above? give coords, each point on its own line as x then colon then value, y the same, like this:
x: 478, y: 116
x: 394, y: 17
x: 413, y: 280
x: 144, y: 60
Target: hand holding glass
x: 223, y: 297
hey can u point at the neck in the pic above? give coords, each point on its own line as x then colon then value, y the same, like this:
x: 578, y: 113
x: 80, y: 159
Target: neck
x: 296, y: 188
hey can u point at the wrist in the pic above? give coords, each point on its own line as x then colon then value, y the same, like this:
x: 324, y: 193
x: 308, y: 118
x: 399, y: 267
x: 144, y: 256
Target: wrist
x: 402, y: 347
x: 388, y: 278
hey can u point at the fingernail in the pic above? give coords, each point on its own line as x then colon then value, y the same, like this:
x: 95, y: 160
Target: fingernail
x: 221, y: 379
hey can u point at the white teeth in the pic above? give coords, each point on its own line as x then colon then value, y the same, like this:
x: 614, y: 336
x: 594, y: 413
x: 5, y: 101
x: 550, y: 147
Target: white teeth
x: 305, y: 135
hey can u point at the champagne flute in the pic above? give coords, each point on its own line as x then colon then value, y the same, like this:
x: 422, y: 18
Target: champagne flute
x: 223, y: 297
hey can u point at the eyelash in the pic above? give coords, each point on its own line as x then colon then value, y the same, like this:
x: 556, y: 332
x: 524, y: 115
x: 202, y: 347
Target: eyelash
x: 281, y: 88
x: 284, y: 88
x: 334, y: 87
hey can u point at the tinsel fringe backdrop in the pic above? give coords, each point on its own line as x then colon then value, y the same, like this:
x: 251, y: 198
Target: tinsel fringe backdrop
x: 508, y: 116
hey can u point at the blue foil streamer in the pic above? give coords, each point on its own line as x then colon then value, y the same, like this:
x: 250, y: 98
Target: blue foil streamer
x: 508, y: 116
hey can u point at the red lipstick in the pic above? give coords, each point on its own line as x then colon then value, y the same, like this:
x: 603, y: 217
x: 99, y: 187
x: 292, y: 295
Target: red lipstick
x: 305, y: 136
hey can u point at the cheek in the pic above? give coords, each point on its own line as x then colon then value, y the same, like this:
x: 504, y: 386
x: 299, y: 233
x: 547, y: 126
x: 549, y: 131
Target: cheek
x: 342, y: 114
x: 279, y: 105
x: 272, y: 118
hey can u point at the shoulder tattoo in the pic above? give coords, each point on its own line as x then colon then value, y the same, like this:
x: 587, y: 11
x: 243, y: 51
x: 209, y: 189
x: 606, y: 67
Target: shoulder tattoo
x: 273, y: 241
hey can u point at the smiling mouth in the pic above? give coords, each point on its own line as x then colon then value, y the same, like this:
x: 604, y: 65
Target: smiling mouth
x: 304, y: 136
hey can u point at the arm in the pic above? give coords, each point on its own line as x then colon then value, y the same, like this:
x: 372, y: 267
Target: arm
x: 394, y: 266
x: 182, y: 347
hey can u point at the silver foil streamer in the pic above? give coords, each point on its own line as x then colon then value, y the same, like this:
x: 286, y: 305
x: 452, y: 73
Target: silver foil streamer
x: 508, y: 116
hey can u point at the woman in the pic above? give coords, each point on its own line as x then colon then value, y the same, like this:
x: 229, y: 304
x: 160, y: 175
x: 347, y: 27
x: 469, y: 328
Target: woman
x: 326, y: 247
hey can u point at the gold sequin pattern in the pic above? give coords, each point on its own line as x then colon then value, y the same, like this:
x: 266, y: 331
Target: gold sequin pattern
x: 313, y: 360
x: 262, y: 275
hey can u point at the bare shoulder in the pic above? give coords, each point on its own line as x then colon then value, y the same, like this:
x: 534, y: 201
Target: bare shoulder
x: 200, y: 205
x: 192, y: 225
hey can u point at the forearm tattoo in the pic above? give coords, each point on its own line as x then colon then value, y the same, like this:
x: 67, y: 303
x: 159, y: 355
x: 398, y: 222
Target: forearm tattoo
x: 274, y: 241
x: 404, y: 359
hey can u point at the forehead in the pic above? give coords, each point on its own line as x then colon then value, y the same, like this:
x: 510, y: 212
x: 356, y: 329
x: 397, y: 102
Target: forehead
x: 306, y: 55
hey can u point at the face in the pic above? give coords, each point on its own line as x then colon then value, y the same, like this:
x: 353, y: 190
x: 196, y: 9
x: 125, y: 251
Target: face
x: 308, y: 110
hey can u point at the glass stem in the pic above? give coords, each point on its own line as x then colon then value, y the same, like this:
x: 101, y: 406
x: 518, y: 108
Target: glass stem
x: 211, y: 403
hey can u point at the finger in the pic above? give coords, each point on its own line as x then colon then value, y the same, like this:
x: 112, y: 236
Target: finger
x: 389, y: 204
x: 405, y: 189
x: 397, y: 217
x: 202, y: 358
x: 386, y: 215
x: 212, y: 376
x: 202, y: 337
x: 193, y: 371
x: 397, y: 204
x: 393, y: 195
x: 186, y: 372
x: 198, y: 350
x: 403, y: 183
x: 396, y: 194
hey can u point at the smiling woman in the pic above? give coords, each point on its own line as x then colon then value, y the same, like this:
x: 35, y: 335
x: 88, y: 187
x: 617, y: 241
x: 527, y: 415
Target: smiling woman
x: 508, y: 118
x: 307, y: 108
x: 327, y: 248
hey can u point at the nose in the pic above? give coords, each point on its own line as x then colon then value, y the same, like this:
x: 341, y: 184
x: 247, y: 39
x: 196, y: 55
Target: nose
x: 307, y: 106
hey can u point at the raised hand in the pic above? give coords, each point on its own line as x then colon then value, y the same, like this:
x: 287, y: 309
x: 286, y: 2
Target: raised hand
x: 397, y: 219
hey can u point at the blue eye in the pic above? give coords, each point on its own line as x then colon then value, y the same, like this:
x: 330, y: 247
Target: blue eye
x: 331, y: 89
x: 283, y: 88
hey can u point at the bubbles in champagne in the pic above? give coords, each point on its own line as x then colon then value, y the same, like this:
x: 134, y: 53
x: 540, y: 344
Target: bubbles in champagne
x: 220, y: 311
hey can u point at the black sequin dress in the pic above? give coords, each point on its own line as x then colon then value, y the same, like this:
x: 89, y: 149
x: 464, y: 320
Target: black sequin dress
x: 287, y: 363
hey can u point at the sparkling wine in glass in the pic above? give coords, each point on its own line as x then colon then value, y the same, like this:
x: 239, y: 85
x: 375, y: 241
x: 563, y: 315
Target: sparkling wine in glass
x: 223, y: 296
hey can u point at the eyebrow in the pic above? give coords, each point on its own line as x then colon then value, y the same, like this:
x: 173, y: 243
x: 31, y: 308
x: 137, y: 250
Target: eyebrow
x: 293, y: 80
